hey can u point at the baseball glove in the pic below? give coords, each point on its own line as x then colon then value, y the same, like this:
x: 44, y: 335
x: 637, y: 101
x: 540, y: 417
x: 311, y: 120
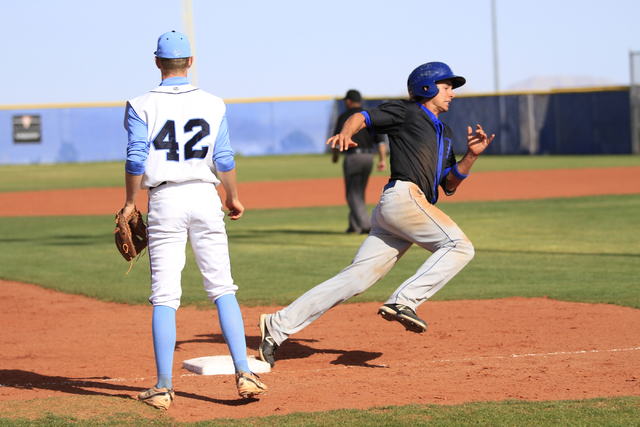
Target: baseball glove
x: 131, y: 234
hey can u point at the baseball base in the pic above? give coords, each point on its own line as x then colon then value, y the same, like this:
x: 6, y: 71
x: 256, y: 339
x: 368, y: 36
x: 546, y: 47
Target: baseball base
x: 222, y: 365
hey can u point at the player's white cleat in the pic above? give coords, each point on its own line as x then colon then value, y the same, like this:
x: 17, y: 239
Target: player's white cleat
x: 160, y: 398
x: 249, y: 385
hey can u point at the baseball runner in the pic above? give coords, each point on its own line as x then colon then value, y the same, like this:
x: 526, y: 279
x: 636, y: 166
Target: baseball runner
x: 421, y: 159
x: 179, y: 151
x: 357, y: 165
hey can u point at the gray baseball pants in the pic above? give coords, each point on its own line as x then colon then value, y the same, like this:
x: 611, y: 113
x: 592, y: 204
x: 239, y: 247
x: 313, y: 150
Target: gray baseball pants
x: 402, y: 217
x: 357, y: 168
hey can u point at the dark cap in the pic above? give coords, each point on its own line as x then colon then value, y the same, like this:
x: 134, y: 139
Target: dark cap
x: 353, y: 95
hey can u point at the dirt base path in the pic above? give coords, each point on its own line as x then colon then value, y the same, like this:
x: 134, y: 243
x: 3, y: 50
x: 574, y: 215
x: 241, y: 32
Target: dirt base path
x: 54, y: 345
x: 514, y: 185
x: 59, y: 345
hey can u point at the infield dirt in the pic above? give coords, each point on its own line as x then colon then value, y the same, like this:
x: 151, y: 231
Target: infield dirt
x: 60, y: 345
x: 482, y: 186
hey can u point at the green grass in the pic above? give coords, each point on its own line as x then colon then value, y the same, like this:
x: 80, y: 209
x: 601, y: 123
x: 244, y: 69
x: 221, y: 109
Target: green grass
x: 111, y: 174
x: 87, y: 175
x: 593, y: 412
x: 580, y: 249
x: 599, y: 412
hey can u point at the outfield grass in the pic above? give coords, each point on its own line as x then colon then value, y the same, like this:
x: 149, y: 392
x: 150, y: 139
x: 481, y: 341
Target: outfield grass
x: 579, y: 249
x: 272, y: 168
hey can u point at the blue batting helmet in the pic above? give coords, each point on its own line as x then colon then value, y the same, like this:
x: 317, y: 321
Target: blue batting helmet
x: 422, y: 81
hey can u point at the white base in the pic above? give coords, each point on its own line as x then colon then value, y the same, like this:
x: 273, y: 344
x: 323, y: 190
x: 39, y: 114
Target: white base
x: 222, y: 365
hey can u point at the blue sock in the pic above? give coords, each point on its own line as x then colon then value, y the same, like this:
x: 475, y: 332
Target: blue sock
x: 232, y: 327
x: 164, y: 342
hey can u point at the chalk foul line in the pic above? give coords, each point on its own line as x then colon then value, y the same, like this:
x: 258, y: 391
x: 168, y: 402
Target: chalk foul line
x: 511, y: 356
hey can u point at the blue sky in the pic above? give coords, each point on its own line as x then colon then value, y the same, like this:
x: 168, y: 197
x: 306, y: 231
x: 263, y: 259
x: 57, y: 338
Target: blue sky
x: 90, y: 51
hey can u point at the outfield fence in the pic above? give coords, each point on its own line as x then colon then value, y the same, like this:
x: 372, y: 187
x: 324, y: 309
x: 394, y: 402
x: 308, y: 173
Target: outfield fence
x: 634, y: 95
x: 578, y: 121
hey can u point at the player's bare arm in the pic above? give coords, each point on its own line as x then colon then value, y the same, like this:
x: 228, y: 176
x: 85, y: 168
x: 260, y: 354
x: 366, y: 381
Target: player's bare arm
x: 132, y: 185
x: 476, y: 144
x: 228, y: 180
x: 353, y: 125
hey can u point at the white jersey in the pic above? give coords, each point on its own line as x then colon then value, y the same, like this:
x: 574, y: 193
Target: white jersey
x: 182, y: 125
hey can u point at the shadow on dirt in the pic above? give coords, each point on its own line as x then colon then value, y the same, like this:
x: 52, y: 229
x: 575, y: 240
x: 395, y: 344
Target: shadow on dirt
x: 297, y: 349
x: 94, y: 386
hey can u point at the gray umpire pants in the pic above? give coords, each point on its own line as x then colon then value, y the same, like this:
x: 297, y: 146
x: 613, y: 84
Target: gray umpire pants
x: 357, y: 169
x: 402, y: 217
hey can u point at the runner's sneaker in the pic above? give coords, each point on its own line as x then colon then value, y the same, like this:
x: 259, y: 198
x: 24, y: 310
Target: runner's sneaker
x: 160, y: 398
x: 404, y: 315
x: 249, y: 385
x: 268, y: 345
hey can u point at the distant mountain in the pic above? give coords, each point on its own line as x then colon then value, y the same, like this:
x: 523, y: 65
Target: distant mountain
x: 559, y: 82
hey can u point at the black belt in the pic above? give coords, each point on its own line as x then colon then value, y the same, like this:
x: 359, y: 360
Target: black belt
x: 162, y: 183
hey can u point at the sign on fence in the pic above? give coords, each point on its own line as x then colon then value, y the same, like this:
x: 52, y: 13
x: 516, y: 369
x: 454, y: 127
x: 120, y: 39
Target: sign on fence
x: 26, y: 128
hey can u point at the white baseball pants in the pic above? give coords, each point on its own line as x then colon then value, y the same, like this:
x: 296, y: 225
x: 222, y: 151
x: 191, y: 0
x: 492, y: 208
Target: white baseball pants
x: 181, y: 210
x: 402, y: 217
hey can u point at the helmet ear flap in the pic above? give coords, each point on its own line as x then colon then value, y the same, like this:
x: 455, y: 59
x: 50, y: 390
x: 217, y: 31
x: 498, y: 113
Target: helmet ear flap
x: 424, y: 90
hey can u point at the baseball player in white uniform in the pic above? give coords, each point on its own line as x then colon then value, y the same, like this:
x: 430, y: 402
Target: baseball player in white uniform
x: 179, y: 151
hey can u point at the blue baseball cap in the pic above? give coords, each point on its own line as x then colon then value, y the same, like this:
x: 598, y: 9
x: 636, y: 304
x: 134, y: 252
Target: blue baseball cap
x: 173, y: 45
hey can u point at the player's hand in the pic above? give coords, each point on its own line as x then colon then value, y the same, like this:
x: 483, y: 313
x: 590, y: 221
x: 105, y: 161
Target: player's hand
x: 235, y: 209
x: 382, y: 165
x: 127, y: 210
x: 476, y: 143
x: 341, y: 142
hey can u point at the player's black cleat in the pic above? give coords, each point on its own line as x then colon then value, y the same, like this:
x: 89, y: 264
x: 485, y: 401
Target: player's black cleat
x: 403, y: 314
x: 268, y: 345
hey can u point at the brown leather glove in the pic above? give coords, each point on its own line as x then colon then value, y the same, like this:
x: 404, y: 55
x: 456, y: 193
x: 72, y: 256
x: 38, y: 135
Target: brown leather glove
x: 131, y: 234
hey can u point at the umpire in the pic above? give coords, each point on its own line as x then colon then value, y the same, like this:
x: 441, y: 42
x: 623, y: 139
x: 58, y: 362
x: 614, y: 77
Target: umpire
x: 357, y: 165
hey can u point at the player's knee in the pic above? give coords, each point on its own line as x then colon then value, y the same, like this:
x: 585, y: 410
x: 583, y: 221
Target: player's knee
x: 466, y: 250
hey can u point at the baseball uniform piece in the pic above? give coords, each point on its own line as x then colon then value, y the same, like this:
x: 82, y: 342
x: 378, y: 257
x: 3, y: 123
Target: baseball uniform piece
x: 180, y: 177
x: 421, y: 157
x: 178, y: 142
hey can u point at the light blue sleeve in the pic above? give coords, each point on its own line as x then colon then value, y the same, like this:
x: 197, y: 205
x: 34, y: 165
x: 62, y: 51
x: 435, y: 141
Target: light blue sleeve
x: 222, y: 152
x: 138, y: 147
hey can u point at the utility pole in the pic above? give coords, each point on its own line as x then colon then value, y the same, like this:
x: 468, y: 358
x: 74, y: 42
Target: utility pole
x: 187, y: 25
x: 503, y: 135
x: 494, y: 31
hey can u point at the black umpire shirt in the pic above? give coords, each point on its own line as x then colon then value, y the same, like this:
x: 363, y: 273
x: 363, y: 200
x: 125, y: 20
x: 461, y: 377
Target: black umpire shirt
x: 416, y: 153
x: 366, y: 142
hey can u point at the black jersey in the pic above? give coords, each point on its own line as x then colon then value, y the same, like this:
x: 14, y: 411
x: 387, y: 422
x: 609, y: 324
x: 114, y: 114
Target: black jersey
x: 416, y: 154
x: 365, y: 141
